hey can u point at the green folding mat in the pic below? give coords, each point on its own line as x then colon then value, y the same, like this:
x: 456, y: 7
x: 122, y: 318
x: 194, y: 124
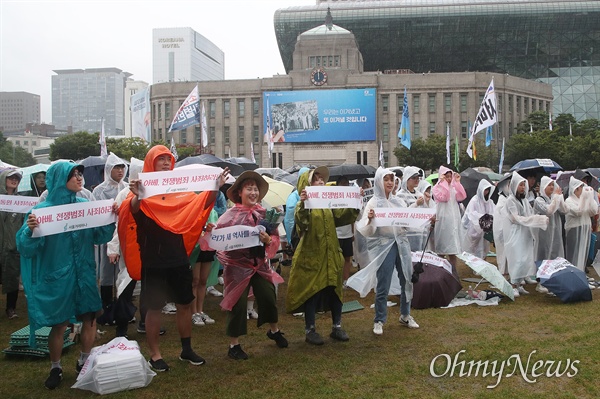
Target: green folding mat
x: 351, y: 306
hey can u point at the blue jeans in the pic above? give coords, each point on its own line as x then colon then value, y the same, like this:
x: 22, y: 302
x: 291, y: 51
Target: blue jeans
x: 384, y: 280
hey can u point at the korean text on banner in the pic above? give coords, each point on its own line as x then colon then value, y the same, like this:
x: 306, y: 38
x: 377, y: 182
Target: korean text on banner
x: 402, y: 217
x: 203, y: 178
x: 140, y: 114
x: 332, y: 197
x: 189, y: 112
x: 234, y: 237
x: 486, y: 116
x: 17, y: 204
x: 72, y: 217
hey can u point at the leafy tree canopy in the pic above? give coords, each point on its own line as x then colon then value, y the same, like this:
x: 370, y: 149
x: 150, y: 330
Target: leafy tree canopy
x: 13, y: 154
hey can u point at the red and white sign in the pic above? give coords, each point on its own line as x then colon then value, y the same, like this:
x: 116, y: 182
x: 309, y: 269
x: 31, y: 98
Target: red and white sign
x: 197, y: 178
x: 402, y: 217
x: 17, y: 203
x: 332, y: 197
x: 72, y: 217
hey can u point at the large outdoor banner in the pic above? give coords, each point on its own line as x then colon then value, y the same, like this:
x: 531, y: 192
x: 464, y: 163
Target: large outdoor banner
x: 309, y: 116
x: 140, y: 114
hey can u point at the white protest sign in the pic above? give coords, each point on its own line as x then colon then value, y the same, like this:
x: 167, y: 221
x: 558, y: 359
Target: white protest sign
x: 71, y: 217
x: 431, y: 259
x: 199, y: 178
x: 402, y: 217
x: 549, y: 267
x: 332, y: 197
x: 17, y: 203
x: 368, y: 194
x: 234, y: 237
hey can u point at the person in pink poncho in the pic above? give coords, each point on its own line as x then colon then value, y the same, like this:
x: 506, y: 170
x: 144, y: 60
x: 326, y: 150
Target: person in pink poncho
x: 448, y: 192
x: 248, y: 267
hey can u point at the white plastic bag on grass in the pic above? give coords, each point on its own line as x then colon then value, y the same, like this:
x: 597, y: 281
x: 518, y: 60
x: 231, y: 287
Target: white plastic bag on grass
x: 113, y: 367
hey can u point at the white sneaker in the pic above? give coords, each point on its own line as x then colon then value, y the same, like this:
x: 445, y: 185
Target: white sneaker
x: 529, y: 280
x: 522, y: 290
x: 213, y: 291
x: 516, y: 293
x: 169, y: 308
x: 592, y: 286
x: 206, y: 318
x: 378, y: 328
x: 408, y: 322
x: 252, y: 314
x: 590, y: 279
x: 197, y: 320
x: 221, y: 281
x: 541, y: 289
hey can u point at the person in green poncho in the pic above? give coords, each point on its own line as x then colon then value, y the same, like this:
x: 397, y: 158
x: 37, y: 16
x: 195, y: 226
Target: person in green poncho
x: 316, y: 276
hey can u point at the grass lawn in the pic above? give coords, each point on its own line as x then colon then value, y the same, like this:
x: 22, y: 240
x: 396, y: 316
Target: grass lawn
x: 394, y: 365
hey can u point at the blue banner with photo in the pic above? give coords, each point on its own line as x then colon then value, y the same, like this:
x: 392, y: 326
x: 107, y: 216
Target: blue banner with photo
x: 309, y: 116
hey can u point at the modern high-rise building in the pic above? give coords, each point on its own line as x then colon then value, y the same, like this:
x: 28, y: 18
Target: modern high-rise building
x: 17, y: 109
x: 550, y: 41
x: 82, y: 98
x: 184, y: 55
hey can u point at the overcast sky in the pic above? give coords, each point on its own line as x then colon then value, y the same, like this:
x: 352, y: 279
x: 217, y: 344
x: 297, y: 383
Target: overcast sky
x: 37, y: 37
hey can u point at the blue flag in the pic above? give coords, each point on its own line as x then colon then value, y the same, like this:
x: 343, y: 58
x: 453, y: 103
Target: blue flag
x: 488, y: 136
x: 404, y: 132
x: 189, y: 112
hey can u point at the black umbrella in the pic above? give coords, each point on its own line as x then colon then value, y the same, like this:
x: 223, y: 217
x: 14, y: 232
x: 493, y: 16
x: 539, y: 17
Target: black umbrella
x: 209, y: 159
x: 93, y: 174
x: 544, y: 165
x: 350, y: 170
x: 470, y: 179
x: 436, y: 287
x: 245, y: 163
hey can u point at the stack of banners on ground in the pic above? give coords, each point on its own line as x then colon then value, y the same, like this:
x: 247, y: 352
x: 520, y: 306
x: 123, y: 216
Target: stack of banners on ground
x: 19, y: 342
x: 113, y: 367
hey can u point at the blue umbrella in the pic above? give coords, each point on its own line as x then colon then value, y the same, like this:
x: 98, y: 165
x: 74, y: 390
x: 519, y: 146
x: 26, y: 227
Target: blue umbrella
x: 548, y: 165
x: 569, y: 285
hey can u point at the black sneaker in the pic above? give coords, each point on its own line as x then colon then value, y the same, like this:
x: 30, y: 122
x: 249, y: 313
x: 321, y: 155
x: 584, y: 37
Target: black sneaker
x: 54, y: 379
x: 192, y: 357
x: 237, y: 353
x: 278, y: 338
x: 158, y: 365
x: 141, y: 329
x: 313, y: 337
x: 287, y: 262
x: 338, y: 334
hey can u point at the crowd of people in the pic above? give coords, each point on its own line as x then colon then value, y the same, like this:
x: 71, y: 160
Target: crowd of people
x: 163, y: 243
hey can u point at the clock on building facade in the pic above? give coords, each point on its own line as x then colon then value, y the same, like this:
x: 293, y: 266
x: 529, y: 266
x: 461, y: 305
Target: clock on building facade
x: 318, y: 77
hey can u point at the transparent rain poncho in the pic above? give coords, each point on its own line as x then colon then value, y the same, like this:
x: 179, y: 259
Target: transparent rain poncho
x: 379, y: 242
x: 447, y: 225
x: 550, y: 242
x: 500, y: 220
x: 472, y: 233
x: 578, y: 223
x: 518, y: 233
x: 416, y: 237
x: 109, y: 188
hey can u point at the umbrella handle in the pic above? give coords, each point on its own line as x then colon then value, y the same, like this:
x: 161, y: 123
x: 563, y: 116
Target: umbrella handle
x: 426, y: 242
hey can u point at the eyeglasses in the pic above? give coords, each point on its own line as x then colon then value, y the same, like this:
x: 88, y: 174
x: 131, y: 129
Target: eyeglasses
x: 78, y: 175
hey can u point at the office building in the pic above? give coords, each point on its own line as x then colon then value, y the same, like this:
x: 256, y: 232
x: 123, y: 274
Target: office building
x: 17, y: 109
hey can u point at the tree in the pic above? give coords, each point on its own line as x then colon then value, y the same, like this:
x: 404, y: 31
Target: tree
x: 13, y: 154
x: 75, y: 146
x: 128, y: 147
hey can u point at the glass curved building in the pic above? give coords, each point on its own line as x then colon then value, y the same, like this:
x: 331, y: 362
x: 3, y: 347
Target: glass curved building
x: 555, y: 42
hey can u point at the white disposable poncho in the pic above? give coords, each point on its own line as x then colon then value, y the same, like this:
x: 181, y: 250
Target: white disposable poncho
x: 578, y: 225
x: 550, y: 242
x: 500, y: 220
x: 519, y: 238
x: 447, y: 219
x: 380, y: 241
x: 109, y: 188
x: 472, y: 233
x: 416, y: 236
x: 424, y: 185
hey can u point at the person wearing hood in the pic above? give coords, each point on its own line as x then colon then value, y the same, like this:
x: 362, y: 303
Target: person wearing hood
x: 38, y: 184
x: 316, y: 273
x: 448, y: 192
x: 247, y: 268
x: 414, y: 199
x: 157, y: 236
x: 501, y: 219
x: 10, y: 223
x: 581, y: 206
x: 115, y: 171
x: 519, y: 234
x: 59, y: 271
x: 390, y: 251
x: 425, y: 189
x: 481, y: 204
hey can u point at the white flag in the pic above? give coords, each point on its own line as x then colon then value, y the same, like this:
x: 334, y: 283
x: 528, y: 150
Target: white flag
x: 267, y: 138
x: 229, y: 156
x: 204, y: 139
x: 252, y: 153
x: 381, y: 157
x: 550, y: 120
x: 486, y: 116
x: 174, y: 148
x: 571, y: 131
x: 102, y: 141
x: 448, y: 143
x: 501, y: 158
